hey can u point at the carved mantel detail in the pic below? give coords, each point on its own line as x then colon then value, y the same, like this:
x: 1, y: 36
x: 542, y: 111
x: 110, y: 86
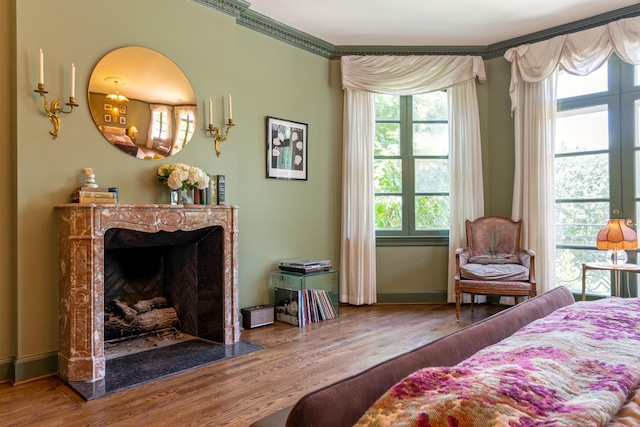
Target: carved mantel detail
x: 81, y: 231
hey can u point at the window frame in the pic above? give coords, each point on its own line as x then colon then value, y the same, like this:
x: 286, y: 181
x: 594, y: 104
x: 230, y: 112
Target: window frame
x: 408, y: 235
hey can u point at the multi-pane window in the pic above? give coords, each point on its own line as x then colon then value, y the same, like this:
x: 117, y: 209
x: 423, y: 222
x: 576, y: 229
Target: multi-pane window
x: 411, y: 165
x: 186, y: 127
x: 160, y: 123
x: 595, y: 172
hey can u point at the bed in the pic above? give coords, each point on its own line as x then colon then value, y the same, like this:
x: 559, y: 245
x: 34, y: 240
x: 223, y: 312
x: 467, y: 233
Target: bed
x: 118, y: 137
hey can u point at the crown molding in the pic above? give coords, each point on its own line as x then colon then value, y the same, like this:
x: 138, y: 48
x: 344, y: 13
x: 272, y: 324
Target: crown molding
x: 258, y: 22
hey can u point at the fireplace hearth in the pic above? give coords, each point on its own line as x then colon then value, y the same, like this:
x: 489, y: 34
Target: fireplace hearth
x: 130, y: 253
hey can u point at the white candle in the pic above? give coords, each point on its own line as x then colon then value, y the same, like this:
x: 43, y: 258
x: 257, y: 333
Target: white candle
x: 41, y: 68
x: 230, y: 111
x: 210, y: 112
x: 73, y: 81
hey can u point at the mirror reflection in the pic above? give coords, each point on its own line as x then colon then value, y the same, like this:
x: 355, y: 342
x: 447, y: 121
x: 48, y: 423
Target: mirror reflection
x: 142, y: 103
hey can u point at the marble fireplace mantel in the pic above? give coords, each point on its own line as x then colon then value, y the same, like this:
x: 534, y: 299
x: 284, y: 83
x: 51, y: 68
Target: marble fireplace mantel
x: 81, y: 231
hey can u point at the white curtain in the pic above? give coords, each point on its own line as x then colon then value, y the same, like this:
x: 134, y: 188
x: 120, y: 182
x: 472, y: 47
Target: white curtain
x: 402, y: 75
x: 533, y: 103
x: 178, y: 137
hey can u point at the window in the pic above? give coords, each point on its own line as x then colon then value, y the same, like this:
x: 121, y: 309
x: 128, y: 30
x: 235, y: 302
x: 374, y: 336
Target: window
x: 411, y: 165
x: 595, y: 171
x: 186, y: 126
x: 160, y: 121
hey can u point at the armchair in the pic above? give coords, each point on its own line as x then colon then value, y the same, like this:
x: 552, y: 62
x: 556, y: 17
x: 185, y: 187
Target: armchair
x: 494, y: 263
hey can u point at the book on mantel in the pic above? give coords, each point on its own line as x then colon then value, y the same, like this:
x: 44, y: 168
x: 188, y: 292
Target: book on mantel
x: 304, y: 265
x: 93, y: 195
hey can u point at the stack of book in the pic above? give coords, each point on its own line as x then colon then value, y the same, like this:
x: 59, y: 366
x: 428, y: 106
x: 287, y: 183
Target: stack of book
x: 86, y: 194
x: 304, y: 266
x: 301, y: 307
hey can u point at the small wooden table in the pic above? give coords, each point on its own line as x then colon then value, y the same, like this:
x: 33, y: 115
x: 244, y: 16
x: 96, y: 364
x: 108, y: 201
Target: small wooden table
x: 628, y: 268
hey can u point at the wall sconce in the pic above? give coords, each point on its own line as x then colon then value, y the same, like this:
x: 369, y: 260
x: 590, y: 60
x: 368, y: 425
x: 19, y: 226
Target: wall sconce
x: 56, y: 107
x: 214, y: 132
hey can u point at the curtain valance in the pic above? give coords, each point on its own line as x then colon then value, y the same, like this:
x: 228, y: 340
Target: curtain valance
x: 409, y: 75
x: 578, y: 53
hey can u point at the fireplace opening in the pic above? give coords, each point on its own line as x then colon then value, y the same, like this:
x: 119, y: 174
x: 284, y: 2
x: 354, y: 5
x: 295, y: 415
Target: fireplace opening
x: 162, y: 288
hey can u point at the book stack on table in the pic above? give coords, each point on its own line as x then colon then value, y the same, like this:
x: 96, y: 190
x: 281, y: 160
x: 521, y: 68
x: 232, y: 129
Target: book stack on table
x: 93, y: 195
x: 305, y: 266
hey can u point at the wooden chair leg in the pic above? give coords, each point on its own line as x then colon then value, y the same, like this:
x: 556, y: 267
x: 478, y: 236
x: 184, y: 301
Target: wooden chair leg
x: 457, y: 306
x: 473, y: 300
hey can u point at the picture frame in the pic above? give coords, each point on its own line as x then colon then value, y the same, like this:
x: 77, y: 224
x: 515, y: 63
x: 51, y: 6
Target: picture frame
x: 107, y: 118
x: 123, y: 110
x: 108, y: 107
x: 287, y: 149
x: 123, y: 120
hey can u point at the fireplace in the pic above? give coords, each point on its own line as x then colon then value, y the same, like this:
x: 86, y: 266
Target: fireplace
x: 130, y: 253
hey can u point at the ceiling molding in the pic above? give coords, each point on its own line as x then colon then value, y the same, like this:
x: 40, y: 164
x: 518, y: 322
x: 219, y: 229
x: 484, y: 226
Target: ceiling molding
x: 258, y: 22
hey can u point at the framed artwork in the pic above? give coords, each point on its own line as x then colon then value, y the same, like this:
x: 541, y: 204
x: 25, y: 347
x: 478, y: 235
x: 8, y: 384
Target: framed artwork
x: 286, y: 149
x: 123, y: 120
x: 107, y: 118
x: 107, y: 107
x: 123, y: 110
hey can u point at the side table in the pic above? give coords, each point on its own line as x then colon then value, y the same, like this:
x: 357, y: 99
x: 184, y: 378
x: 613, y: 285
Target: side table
x: 627, y: 268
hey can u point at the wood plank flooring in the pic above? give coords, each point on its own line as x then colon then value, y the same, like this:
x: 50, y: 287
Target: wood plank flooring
x: 238, y: 391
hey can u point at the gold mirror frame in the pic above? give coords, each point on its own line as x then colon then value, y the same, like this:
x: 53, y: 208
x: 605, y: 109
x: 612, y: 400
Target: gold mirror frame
x: 144, y: 81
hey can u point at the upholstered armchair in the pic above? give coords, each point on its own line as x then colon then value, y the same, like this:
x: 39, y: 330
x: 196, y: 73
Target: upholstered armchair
x: 494, y: 263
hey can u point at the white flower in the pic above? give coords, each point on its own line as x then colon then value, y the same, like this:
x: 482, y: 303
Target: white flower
x: 179, y: 175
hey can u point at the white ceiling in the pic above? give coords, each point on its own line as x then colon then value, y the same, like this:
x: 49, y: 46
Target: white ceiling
x: 428, y: 22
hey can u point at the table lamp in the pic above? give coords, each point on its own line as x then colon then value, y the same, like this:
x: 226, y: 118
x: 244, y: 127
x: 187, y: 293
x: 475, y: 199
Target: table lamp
x: 615, y: 237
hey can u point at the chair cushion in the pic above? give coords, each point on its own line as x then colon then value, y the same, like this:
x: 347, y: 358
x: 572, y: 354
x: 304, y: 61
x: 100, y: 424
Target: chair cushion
x: 494, y: 272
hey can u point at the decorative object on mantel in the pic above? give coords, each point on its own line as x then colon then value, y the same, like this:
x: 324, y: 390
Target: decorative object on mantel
x: 182, y: 180
x: 215, y: 132
x: 89, y: 178
x: 55, y: 108
x: 96, y: 195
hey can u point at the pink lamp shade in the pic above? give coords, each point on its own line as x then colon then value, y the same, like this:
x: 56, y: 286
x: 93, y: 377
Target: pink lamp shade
x: 616, y: 236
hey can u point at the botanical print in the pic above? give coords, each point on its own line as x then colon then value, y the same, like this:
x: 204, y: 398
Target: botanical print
x: 287, y: 149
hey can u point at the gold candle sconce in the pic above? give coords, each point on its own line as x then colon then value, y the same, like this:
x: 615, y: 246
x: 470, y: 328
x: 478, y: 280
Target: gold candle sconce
x: 52, y: 111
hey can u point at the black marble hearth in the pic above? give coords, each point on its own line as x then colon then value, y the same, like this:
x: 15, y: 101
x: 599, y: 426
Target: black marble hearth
x: 139, y: 368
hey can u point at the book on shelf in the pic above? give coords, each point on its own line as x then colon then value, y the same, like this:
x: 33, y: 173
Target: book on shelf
x: 216, y: 190
x: 301, y: 307
x: 96, y: 200
x: 290, y: 306
x: 221, y: 185
x: 82, y: 195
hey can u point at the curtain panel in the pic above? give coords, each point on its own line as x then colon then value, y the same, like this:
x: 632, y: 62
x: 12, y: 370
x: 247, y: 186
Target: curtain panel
x: 533, y: 104
x: 362, y: 76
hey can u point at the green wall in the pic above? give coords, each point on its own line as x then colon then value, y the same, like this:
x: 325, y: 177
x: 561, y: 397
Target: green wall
x: 278, y: 219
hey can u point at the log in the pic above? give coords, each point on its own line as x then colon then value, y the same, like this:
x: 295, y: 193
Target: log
x: 156, y: 319
x: 143, y: 306
x: 118, y: 327
x: 123, y: 309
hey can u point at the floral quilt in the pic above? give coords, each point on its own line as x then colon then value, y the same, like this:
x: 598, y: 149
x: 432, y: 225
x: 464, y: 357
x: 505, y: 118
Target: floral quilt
x: 574, y: 367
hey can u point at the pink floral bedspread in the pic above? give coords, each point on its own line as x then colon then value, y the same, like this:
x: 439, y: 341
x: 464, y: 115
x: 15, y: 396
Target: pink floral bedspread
x: 574, y: 367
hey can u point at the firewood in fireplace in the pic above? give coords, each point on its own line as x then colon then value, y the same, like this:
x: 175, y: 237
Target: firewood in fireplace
x: 143, y: 306
x: 118, y: 327
x: 123, y: 310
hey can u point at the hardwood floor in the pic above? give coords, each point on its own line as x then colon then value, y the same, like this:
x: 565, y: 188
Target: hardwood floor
x: 238, y: 391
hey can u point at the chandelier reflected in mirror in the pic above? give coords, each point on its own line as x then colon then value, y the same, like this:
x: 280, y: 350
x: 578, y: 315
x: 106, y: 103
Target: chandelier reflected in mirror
x: 116, y: 97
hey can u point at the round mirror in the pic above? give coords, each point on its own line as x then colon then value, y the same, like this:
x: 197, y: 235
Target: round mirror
x: 142, y: 103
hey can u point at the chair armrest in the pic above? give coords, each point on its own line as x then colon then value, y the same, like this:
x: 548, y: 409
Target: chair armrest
x: 462, y: 258
x: 526, y: 257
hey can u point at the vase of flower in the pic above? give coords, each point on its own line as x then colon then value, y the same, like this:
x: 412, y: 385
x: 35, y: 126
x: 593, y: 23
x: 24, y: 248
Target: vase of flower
x: 185, y: 196
x: 182, y: 180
